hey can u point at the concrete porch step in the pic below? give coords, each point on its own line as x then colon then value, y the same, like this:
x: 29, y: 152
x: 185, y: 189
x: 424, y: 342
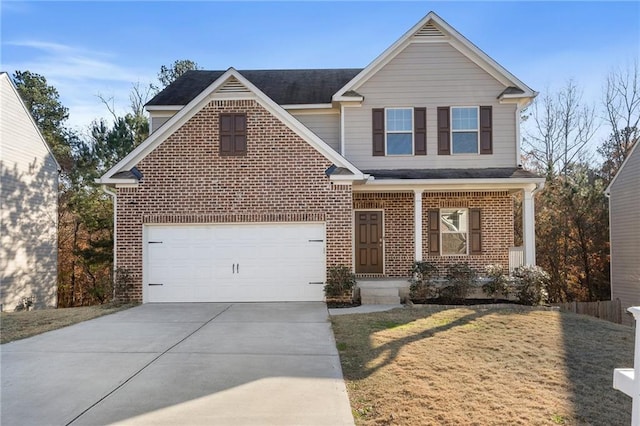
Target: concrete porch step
x: 379, y: 295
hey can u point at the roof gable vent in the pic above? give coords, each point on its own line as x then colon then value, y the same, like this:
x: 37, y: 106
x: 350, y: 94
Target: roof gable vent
x: 233, y: 86
x: 429, y: 32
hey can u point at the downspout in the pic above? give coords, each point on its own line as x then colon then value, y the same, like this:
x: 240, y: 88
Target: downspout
x: 113, y: 195
x: 518, y: 141
x: 342, y: 130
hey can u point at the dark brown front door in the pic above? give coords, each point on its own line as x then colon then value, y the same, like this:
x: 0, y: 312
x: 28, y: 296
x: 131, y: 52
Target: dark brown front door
x: 369, y: 242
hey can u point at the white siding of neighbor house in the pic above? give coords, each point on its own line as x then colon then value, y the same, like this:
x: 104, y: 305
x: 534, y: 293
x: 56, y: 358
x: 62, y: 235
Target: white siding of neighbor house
x: 430, y: 75
x: 324, y: 124
x: 28, y: 207
x: 624, y: 204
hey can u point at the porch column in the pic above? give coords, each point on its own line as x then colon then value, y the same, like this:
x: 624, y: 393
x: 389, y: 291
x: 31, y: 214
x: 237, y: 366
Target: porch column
x: 528, y: 227
x: 417, y: 221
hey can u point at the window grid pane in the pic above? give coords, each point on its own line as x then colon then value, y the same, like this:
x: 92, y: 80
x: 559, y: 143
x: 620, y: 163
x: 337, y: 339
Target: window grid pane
x: 453, y: 230
x: 399, y: 120
x: 464, y: 118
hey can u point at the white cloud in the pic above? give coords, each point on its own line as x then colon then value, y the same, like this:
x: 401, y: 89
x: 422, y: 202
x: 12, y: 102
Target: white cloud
x: 80, y: 75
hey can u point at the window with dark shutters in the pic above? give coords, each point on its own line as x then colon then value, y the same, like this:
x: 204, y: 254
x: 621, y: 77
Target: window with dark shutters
x: 434, y: 233
x: 420, y: 131
x: 233, y: 134
x: 444, y: 130
x: 486, y: 144
x: 475, y: 229
x: 378, y: 131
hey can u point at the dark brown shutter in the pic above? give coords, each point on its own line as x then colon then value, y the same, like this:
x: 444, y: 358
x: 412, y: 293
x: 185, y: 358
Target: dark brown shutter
x: 486, y: 144
x: 444, y: 130
x: 434, y: 233
x: 226, y: 134
x: 378, y: 131
x: 240, y: 134
x: 475, y: 227
x: 420, y: 131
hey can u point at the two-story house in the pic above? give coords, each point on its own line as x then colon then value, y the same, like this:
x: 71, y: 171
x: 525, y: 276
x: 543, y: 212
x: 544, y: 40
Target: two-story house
x: 253, y: 183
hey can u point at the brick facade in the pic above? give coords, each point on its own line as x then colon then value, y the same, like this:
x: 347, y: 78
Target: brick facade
x: 281, y: 179
x: 496, y: 226
x: 496, y: 223
x: 398, y: 228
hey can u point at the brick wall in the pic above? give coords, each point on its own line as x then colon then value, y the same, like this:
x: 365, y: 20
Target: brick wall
x: 281, y: 179
x: 496, y: 225
x: 496, y: 217
x: 398, y: 228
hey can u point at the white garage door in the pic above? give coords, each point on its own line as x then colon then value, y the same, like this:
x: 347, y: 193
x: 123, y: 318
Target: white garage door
x: 234, y: 263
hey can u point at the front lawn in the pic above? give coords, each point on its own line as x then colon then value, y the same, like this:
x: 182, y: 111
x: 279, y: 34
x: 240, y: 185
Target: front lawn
x: 483, y: 366
x: 18, y: 325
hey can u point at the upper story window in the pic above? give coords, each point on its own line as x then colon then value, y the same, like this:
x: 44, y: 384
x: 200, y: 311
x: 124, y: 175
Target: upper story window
x: 399, y: 126
x: 233, y: 134
x: 464, y: 130
x: 399, y: 131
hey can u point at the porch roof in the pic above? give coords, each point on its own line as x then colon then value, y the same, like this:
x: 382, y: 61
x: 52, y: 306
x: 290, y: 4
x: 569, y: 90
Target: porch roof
x: 487, y: 173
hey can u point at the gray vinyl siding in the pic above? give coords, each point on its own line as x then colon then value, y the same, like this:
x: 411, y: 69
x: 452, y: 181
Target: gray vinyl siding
x: 430, y: 75
x: 624, y: 206
x: 28, y: 208
x: 156, y: 122
x: 326, y: 126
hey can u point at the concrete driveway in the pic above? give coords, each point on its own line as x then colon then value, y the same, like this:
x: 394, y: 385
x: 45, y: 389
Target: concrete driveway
x: 182, y: 363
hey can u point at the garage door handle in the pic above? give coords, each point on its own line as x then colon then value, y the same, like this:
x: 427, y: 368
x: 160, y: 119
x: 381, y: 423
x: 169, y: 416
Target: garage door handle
x: 316, y: 241
x: 155, y: 242
x: 155, y: 284
x: 235, y: 268
x: 316, y: 282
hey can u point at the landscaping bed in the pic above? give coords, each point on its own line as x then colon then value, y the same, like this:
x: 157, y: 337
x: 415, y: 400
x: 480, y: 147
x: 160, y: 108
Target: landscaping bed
x: 516, y: 365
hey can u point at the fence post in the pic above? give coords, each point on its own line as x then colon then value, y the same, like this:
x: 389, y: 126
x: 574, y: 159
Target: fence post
x: 627, y: 380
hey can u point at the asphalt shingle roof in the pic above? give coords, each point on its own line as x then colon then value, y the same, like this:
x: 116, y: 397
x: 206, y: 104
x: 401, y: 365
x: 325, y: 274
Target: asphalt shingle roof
x: 285, y: 87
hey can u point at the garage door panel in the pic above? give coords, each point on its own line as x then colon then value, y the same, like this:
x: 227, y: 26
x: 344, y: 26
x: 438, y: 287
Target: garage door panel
x: 226, y: 263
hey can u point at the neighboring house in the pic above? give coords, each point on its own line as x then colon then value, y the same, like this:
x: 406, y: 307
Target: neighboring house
x: 28, y: 207
x: 252, y: 183
x: 624, y: 231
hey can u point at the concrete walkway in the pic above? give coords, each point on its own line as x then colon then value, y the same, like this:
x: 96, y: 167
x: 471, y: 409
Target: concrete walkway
x: 168, y: 364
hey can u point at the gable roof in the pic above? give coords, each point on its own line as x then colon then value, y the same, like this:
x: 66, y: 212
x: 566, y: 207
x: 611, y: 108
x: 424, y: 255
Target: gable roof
x: 285, y: 87
x: 6, y: 80
x: 434, y: 28
x: 118, y: 174
x: 634, y: 148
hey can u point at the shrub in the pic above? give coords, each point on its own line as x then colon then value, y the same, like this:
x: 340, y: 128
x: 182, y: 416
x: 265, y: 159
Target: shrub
x: 460, y: 278
x: 340, y: 281
x: 531, y: 284
x: 498, y: 283
x: 422, y: 274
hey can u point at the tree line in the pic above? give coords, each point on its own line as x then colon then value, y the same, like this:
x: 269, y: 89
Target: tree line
x: 85, y: 212
x: 572, y: 226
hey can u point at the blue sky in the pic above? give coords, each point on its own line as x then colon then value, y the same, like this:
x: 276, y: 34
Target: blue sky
x: 88, y: 48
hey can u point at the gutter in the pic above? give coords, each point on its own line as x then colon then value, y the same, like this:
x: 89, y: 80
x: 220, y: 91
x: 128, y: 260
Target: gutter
x: 113, y: 195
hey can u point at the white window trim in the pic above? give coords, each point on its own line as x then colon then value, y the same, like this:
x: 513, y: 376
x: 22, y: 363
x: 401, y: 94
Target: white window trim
x: 386, y: 132
x: 442, y: 231
x: 476, y: 130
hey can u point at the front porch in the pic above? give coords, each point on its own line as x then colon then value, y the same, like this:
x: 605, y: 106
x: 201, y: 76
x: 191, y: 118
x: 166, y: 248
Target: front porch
x: 393, y: 229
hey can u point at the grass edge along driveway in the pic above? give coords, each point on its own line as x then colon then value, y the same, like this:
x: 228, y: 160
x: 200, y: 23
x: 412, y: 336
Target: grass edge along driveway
x: 429, y: 365
x: 23, y: 324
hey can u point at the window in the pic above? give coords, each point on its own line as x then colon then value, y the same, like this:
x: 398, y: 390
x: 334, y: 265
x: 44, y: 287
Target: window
x: 453, y: 231
x: 233, y: 134
x: 399, y: 127
x: 464, y: 130
x: 399, y: 131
